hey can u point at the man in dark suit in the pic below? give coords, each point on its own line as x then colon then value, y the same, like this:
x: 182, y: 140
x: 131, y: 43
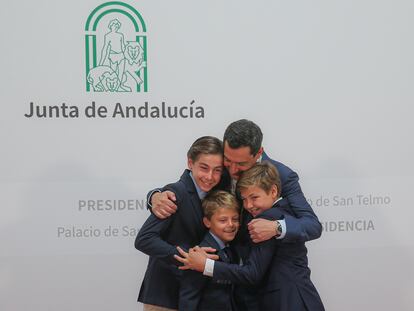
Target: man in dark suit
x: 278, y: 270
x: 159, y: 238
x: 242, y: 149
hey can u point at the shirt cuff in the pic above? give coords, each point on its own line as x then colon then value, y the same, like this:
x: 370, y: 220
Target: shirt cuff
x: 209, y: 267
x: 283, y: 233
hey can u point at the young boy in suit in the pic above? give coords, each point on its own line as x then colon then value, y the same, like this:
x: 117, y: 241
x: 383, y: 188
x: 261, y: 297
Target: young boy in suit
x: 279, y: 269
x: 201, y: 293
x: 159, y: 238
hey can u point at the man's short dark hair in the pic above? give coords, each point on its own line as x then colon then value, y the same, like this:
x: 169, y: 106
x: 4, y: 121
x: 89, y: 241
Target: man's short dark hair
x: 244, y: 133
x: 205, y: 145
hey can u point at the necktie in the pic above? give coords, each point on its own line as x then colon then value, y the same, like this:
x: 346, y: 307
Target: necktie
x: 229, y: 254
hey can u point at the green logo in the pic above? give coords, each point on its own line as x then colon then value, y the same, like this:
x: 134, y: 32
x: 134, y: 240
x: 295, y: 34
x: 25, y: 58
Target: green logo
x: 116, y: 49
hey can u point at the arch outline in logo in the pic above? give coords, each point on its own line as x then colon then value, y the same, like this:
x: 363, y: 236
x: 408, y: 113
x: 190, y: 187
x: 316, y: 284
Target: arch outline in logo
x: 116, y: 49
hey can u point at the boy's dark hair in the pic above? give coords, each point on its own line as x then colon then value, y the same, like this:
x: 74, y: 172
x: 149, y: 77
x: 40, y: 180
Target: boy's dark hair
x: 244, y: 133
x: 262, y: 175
x: 205, y: 145
x: 219, y: 199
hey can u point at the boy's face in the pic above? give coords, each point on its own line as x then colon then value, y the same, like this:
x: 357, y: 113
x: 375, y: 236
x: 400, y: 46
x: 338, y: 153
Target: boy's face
x: 224, y: 224
x: 206, y: 170
x: 256, y: 200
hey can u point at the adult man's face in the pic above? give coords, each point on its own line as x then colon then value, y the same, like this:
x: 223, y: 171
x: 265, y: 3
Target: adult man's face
x: 239, y: 159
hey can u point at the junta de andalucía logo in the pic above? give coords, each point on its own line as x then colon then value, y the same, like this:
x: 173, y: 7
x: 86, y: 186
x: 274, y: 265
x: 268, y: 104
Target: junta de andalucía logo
x: 116, y: 49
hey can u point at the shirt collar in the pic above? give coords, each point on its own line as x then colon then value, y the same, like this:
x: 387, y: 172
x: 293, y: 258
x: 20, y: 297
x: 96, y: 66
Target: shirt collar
x: 277, y: 200
x: 220, y: 243
x: 201, y: 194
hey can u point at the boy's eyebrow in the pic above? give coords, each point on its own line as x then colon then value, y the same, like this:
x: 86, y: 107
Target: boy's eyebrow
x: 206, y: 164
x: 250, y: 195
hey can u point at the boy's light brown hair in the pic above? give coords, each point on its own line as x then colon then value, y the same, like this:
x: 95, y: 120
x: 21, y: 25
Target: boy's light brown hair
x: 219, y: 199
x: 262, y: 175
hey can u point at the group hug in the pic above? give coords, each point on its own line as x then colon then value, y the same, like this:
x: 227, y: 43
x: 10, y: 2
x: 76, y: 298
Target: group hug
x: 230, y: 233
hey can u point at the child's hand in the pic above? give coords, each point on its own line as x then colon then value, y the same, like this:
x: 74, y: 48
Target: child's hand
x: 209, y: 252
x: 195, y: 259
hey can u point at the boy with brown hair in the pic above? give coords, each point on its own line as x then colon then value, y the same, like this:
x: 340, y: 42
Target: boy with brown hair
x: 159, y: 238
x: 198, y: 292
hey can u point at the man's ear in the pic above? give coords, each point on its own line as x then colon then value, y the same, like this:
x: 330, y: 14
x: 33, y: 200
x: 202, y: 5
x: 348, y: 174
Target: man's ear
x: 259, y: 153
x: 206, y: 222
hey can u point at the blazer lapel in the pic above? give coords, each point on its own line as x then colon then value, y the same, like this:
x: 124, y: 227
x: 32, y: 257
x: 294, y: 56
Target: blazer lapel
x: 194, y: 212
x: 220, y: 252
x: 195, y: 200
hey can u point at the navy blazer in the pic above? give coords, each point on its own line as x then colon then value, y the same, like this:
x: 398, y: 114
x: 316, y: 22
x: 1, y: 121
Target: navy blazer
x: 202, y: 293
x: 159, y: 238
x: 278, y: 270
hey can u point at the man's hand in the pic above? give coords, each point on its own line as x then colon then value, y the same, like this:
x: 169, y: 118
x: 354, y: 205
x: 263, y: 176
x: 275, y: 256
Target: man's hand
x: 262, y: 230
x: 195, y: 259
x: 163, y: 205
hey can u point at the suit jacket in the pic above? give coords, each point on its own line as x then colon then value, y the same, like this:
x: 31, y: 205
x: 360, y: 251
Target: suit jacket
x: 159, y: 238
x: 278, y: 270
x: 201, y: 293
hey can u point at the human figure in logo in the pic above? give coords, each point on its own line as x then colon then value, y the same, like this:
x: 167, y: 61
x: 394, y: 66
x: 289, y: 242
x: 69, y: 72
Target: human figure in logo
x: 112, y: 53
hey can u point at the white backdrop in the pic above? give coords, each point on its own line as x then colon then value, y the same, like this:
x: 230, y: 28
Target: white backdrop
x: 329, y: 82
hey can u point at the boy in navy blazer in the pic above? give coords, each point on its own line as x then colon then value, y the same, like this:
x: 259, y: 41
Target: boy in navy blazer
x: 279, y: 270
x: 159, y: 238
x: 201, y: 293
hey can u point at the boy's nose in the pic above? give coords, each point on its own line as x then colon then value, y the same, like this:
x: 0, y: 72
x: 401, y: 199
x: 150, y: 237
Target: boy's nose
x: 247, y: 204
x: 209, y: 175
